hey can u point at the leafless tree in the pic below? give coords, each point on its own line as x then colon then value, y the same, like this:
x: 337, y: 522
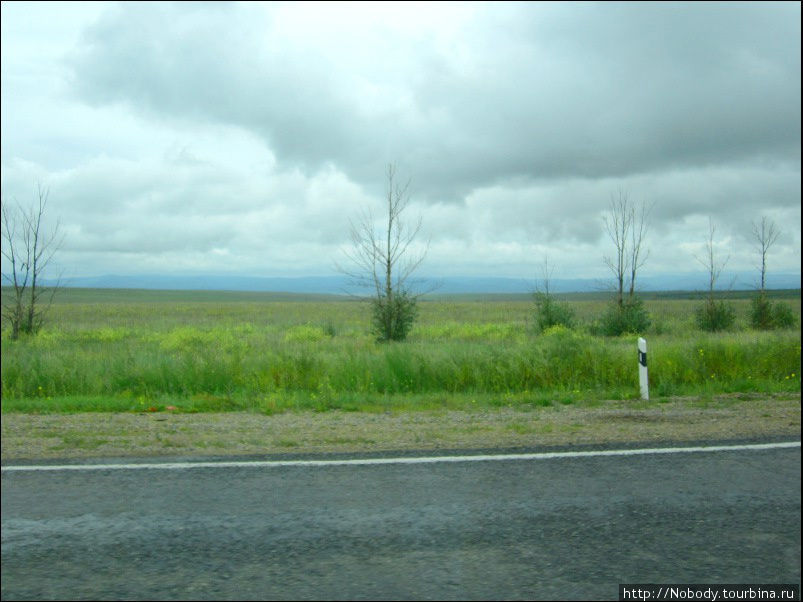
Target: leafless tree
x: 544, y: 285
x: 27, y: 251
x: 384, y: 261
x: 626, y: 225
x: 709, y: 260
x: 714, y: 315
x: 764, y: 235
x: 550, y: 312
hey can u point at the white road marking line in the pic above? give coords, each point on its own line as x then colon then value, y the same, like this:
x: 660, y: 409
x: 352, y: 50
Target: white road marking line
x: 412, y: 460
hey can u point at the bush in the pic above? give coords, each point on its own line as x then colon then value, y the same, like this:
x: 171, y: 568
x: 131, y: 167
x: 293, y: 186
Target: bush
x: 628, y: 318
x: 783, y: 316
x: 765, y: 315
x: 393, y: 319
x: 761, y: 312
x: 550, y: 312
x: 714, y: 315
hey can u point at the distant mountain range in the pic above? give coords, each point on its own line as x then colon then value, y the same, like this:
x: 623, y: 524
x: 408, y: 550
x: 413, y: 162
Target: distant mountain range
x: 447, y: 285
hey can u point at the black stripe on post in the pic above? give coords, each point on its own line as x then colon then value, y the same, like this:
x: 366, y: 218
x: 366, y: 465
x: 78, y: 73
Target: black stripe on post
x: 642, y: 358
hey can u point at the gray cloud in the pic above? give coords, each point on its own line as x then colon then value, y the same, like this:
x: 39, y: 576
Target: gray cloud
x: 525, y: 91
x: 245, y: 136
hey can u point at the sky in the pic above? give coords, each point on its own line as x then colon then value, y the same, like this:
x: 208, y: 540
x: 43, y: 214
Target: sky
x: 245, y: 138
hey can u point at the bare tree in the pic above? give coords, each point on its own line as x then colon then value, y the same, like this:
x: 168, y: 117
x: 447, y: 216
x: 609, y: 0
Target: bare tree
x: 626, y: 225
x: 544, y: 286
x: 764, y: 314
x: 385, y: 260
x: 764, y: 236
x: 638, y: 231
x: 28, y: 251
x: 709, y: 260
x: 549, y: 311
x: 714, y: 315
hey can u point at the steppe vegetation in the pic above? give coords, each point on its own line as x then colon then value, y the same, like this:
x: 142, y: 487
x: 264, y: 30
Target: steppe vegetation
x: 105, y: 350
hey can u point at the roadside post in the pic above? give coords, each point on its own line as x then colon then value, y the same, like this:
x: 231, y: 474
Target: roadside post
x: 642, y: 369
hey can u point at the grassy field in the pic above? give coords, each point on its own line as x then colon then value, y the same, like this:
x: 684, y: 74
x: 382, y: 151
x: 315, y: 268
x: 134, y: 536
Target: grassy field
x: 124, y: 351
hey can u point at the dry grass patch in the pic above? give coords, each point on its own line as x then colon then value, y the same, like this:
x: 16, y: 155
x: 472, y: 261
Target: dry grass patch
x: 27, y: 436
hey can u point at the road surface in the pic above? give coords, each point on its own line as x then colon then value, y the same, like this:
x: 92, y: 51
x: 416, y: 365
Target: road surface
x: 557, y: 528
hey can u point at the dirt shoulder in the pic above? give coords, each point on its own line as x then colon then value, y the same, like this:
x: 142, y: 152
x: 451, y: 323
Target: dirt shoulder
x: 96, y: 435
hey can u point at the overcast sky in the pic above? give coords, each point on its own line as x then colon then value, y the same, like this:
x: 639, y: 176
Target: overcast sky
x: 242, y: 138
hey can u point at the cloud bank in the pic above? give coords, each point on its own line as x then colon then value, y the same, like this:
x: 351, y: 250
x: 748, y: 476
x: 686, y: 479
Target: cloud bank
x: 245, y: 136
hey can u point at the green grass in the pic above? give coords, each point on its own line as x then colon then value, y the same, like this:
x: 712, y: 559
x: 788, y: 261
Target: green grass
x: 128, y: 351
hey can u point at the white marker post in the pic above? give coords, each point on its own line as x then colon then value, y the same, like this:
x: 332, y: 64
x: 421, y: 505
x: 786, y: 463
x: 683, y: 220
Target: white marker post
x: 642, y: 369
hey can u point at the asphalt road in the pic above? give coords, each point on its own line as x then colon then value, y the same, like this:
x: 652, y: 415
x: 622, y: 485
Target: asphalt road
x: 562, y: 528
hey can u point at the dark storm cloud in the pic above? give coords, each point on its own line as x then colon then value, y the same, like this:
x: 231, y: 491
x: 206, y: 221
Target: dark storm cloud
x: 522, y: 92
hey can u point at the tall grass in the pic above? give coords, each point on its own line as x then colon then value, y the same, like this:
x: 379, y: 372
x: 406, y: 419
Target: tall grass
x: 321, y: 355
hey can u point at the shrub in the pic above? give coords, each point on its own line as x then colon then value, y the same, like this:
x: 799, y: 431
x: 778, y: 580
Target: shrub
x: 393, y: 318
x: 765, y: 315
x: 550, y: 312
x: 783, y: 316
x: 628, y: 318
x: 329, y: 327
x: 714, y: 315
x: 761, y: 312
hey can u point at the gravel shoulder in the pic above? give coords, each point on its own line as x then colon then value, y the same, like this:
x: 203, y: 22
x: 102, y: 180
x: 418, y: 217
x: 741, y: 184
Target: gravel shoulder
x: 102, y: 435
